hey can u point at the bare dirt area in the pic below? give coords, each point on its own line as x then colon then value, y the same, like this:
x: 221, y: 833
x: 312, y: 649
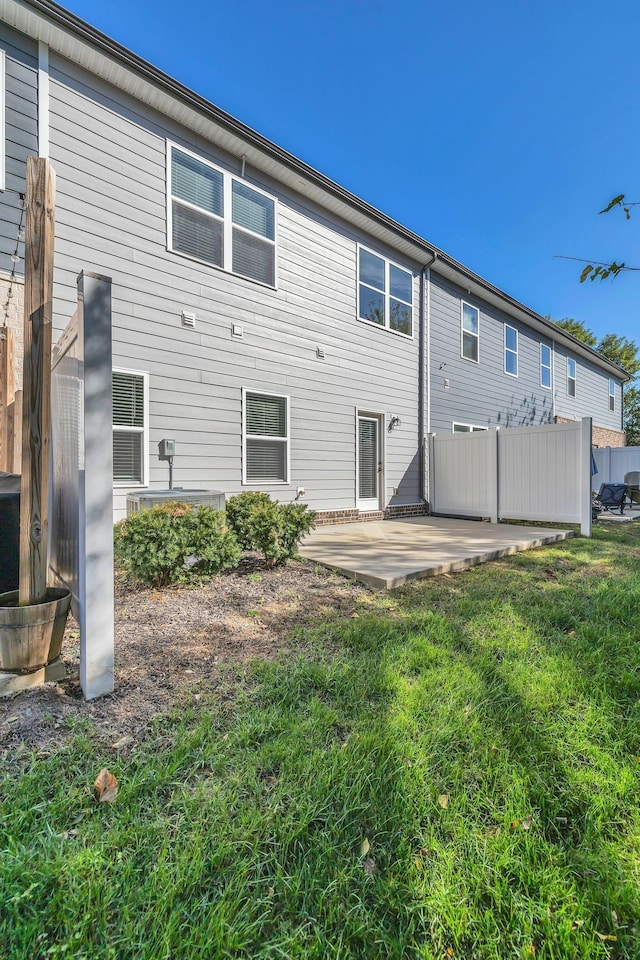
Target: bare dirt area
x: 175, y: 643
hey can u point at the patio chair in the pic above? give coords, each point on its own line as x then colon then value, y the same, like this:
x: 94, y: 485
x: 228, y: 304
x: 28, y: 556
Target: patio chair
x: 611, y: 497
x: 632, y: 480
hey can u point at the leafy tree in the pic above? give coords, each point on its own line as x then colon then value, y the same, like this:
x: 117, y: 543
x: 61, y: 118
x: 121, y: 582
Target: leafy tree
x: 624, y: 352
x: 578, y: 330
x: 621, y: 351
x: 599, y: 269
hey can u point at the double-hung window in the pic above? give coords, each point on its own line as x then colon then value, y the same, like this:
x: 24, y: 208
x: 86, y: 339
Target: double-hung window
x: 219, y: 219
x: 130, y: 427
x: 571, y: 377
x: 385, y: 293
x: 470, y: 332
x: 612, y: 394
x: 510, y: 350
x: 266, y: 438
x: 545, y: 366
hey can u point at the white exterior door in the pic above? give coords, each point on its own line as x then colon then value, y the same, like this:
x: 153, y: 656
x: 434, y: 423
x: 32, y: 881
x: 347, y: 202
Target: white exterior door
x: 369, y: 463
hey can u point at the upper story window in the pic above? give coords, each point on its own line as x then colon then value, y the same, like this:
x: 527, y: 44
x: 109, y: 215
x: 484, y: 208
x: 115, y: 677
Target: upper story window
x: 612, y: 394
x: 385, y: 293
x: 510, y: 350
x: 470, y: 333
x: 545, y: 365
x: 218, y: 219
x: 130, y: 427
x: 571, y: 377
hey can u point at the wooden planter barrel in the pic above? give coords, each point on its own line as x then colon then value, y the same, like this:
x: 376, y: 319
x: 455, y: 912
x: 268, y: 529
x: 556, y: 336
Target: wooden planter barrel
x: 31, y: 636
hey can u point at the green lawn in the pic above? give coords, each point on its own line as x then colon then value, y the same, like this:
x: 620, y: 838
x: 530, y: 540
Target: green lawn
x: 480, y: 731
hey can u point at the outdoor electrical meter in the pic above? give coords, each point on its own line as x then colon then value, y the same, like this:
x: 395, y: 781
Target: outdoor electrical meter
x: 166, y: 449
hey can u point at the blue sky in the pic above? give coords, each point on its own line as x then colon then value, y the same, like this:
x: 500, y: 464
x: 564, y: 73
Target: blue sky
x: 496, y: 130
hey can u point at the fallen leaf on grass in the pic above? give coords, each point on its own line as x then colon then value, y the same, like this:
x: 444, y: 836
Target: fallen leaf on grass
x: 67, y: 835
x: 443, y: 800
x: 105, y: 786
x: 355, y: 616
x: 526, y: 824
x: 365, y: 846
x: 370, y: 867
x: 577, y: 924
x: 532, y: 950
x: 122, y: 742
x: 606, y: 936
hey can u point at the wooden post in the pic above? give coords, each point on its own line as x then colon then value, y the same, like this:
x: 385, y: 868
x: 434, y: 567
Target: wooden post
x: 6, y: 396
x: 36, y: 400
x: 16, y: 453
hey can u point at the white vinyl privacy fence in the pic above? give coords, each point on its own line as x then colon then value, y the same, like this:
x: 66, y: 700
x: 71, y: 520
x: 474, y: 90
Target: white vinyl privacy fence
x: 613, y: 462
x: 81, y: 515
x: 529, y: 473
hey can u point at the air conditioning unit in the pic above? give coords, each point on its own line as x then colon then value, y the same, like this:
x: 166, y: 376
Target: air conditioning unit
x: 151, y: 498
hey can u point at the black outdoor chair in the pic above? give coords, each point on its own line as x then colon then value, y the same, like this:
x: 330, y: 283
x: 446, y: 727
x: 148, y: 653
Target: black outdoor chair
x: 611, y: 497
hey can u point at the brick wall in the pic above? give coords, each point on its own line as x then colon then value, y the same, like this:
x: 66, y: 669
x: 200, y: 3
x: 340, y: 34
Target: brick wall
x: 11, y: 315
x: 354, y: 516
x: 601, y: 436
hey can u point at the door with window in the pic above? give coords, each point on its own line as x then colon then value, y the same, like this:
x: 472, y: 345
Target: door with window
x: 369, y: 463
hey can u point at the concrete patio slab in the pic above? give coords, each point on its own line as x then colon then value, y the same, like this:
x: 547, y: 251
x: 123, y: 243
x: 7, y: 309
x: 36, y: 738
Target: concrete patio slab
x: 387, y: 553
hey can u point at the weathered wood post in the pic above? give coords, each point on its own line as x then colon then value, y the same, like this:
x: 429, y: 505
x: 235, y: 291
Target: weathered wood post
x: 36, y: 399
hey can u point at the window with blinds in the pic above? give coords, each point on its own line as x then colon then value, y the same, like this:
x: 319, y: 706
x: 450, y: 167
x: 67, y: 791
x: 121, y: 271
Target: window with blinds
x: 266, y: 438
x: 129, y: 440
x: 220, y: 220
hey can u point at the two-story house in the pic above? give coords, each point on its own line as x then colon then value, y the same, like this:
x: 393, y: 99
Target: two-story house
x: 286, y: 334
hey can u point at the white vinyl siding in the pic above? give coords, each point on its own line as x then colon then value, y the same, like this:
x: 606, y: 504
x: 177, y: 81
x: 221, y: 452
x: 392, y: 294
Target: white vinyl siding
x: 510, y: 350
x: 130, y: 428
x: 3, y: 146
x: 266, y: 438
x: 612, y: 394
x: 571, y: 377
x: 545, y: 366
x: 466, y: 428
x: 218, y: 219
x: 470, y: 332
x: 385, y: 293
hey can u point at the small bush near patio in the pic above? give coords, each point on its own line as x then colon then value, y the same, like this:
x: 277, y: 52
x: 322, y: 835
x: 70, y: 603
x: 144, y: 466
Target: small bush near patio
x: 274, y: 529
x: 174, y: 543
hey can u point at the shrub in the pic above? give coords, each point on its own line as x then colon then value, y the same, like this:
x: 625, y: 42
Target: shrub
x: 274, y: 529
x: 212, y: 542
x: 173, y: 543
x: 239, y: 511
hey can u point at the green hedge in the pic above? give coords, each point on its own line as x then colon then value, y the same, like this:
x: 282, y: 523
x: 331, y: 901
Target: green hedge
x: 274, y: 529
x: 175, y: 543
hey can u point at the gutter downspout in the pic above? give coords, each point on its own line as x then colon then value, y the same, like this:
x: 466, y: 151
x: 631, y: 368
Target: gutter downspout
x: 424, y: 382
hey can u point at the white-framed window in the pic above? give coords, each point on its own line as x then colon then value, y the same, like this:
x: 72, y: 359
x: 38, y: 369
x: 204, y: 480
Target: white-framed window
x: 265, y: 431
x: 3, y: 143
x: 385, y: 293
x: 130, y: 428
x: 612, y: 394
x: 571, y: 377
x: 470, y: 332
x: 510, y: 350
x: 217, y: 218
x: 466, y: 428
x: 545, y: 366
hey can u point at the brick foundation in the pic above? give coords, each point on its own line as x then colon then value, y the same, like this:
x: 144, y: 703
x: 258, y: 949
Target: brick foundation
x: 601, y: 436
x: 354, y: 516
